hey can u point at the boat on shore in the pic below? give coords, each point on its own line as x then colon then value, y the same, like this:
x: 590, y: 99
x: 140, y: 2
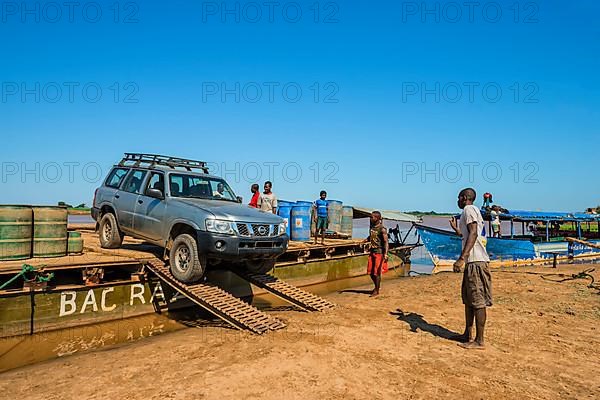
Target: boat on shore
x: 101, y: 285
x: 543, y: 238
x: 95, y: 296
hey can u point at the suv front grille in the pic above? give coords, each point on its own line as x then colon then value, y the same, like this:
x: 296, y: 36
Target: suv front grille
x: 257, y: 230
x: 243, y: 229
x: 261, y: 230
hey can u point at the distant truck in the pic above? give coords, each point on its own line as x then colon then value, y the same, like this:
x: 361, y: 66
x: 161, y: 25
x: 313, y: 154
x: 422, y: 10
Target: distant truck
x: 196, y: 217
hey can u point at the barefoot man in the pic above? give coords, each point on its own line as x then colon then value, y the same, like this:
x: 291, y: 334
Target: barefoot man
x: 378, y: 251
x: 477, y: 281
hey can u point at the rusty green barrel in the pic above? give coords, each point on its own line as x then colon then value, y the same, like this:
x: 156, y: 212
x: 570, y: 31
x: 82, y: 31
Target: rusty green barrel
x: 334, y: 214
x: 16, y: 224
x: 49, y: 231
x: 75, y: 243
x: 347, y: 215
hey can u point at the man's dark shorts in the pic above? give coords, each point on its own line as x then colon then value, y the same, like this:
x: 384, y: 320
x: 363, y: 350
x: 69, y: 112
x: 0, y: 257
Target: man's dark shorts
x: 477, y: 285
x: 322, y: 223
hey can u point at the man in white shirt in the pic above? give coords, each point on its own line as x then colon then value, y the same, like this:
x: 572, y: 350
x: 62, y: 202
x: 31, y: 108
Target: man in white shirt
x: 477, y: 280
x: 267, y: 200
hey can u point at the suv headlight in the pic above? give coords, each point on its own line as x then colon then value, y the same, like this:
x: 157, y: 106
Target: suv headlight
x: 281, y: 228
x: 219, y: 226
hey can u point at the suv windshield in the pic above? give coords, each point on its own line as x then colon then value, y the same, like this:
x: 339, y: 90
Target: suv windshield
x: 200, y: 187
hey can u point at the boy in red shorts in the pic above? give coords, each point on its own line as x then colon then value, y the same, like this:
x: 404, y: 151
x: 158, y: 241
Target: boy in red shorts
x: 378, y: 251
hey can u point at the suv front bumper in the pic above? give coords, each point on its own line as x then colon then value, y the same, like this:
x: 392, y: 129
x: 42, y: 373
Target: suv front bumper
x: 238, y: 248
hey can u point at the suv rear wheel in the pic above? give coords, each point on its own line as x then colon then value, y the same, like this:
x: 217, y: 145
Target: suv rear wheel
x: 260, y: 266
x: 186, y: 264
x: 110, y: 235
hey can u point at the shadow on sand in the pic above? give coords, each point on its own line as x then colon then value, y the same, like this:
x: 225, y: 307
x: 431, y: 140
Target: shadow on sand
x: 416, y: 321
x: 359, y: 291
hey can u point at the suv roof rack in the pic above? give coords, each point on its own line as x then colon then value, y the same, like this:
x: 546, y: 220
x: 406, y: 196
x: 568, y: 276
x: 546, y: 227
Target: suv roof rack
x: 152, y: 160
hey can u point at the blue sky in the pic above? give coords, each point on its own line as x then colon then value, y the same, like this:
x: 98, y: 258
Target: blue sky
x: 385, y: 97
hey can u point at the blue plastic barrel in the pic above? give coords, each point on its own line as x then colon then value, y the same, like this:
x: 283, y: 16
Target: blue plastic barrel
x: 285, y: 211
x: 300, y: 226
x: 334, y: 214
x: 313, y: 221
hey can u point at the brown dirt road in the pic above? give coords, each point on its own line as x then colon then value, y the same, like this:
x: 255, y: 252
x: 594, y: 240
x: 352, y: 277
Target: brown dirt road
x: 543, y: 343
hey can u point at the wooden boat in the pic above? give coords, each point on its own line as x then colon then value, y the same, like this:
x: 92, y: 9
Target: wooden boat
x: 542, y: 244
x: 103, y: 285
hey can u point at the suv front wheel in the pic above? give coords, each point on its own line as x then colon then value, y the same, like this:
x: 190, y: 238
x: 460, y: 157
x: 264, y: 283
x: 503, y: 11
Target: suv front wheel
x: 110, y: 235
x: 186, y: 264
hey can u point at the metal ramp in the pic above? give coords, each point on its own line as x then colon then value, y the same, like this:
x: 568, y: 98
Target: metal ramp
x: 298, y: 297
x: 227, y: 307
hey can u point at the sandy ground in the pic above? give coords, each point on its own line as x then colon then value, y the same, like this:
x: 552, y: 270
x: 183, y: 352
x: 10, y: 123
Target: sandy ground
x: 543, y: 343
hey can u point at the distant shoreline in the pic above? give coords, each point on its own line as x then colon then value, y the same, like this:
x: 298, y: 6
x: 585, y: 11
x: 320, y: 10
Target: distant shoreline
x: 430, y: 214
x: 78, y: 211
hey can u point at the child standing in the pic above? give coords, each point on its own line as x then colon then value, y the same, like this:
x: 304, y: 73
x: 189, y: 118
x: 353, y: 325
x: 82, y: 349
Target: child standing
x: 321, y: 208
x: 495, y: 217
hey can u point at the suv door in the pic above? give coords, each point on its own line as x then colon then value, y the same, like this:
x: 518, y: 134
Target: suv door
x: 149, y: 218
x: 126, y: 198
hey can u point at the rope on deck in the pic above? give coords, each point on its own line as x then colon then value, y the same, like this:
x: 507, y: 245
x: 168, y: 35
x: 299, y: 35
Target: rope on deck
x: 31, y: 274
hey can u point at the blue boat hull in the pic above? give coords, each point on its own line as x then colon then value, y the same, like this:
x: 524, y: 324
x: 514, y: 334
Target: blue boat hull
x: 444, y: 247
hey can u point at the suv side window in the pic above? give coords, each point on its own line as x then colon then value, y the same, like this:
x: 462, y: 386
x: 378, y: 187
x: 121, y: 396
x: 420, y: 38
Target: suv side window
x: 176, y: 185
x: 157, y: 181
x: 116, y: 177
x: 134, y: 182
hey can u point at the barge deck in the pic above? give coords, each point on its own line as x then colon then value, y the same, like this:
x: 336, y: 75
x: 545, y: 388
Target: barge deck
x: 102, y: 285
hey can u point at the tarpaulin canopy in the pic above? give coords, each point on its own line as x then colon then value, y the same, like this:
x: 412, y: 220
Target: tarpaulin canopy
x: 360, y: 212
x: 522, y: 215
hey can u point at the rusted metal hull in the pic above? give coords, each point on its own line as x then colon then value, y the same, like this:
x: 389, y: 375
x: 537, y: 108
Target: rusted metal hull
x: 63, y: 307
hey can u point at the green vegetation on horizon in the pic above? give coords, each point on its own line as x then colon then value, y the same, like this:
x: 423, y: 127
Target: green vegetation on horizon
x: 80, y: 206
x: 78, y: 209
x: 570, y: 226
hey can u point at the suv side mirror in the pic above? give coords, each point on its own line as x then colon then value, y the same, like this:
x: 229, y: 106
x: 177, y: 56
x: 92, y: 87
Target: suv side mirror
x: 155, y: 193
x: 239, y: 199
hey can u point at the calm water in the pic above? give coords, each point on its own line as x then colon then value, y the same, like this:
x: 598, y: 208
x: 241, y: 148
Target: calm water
x: 81, y: 219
